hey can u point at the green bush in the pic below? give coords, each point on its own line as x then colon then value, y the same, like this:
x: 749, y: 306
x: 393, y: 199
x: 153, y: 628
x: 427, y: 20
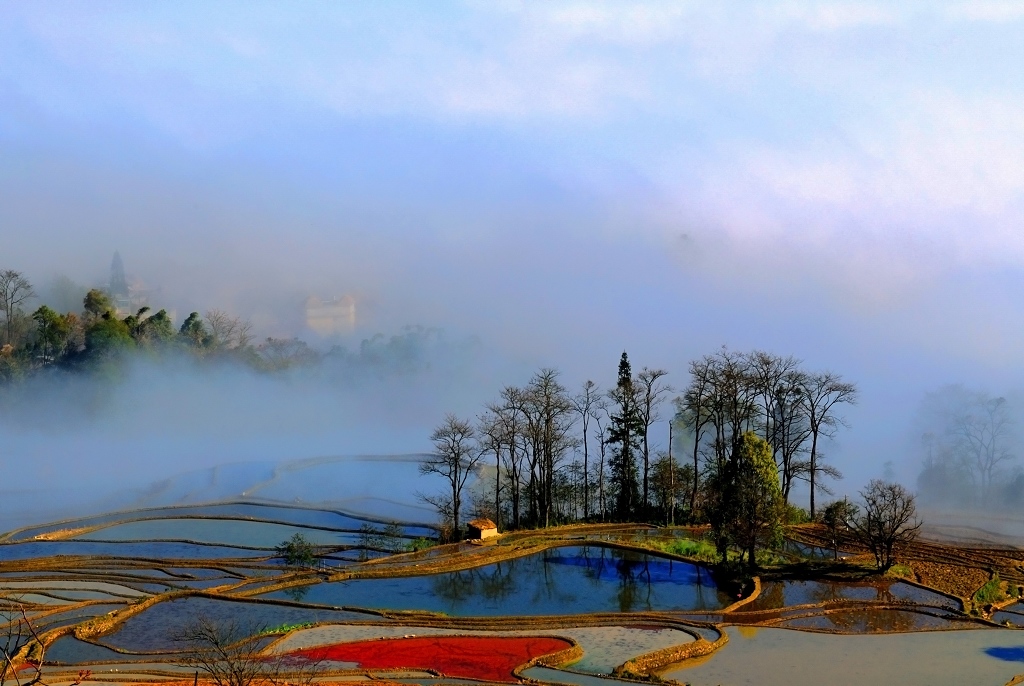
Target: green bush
x: 990, y: 592
x: 297, y: 552
x: 284, y: 629
x: 687, y: 547
x: 795, y: 515
x: 418, y: 544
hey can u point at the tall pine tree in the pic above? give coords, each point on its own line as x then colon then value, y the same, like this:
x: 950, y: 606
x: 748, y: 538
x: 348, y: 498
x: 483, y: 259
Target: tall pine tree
x: 625, y: 434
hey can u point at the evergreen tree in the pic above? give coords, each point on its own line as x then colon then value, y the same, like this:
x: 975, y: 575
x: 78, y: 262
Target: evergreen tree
x: 746, y: 504
x: 194, y: 332
x: 625, y: 434
x: 52, y: 331
x: 107, y: 336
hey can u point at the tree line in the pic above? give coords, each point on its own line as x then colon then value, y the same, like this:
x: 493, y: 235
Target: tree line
x: 755, y: 423
x: 555, y: 456
x: 968, y: 439
x: 39, y: 339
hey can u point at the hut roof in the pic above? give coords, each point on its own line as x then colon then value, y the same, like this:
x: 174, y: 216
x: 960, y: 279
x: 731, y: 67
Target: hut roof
x: 483, y: 524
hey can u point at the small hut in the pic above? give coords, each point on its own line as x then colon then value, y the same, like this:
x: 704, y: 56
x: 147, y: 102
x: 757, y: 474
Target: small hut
x: 481, y: 529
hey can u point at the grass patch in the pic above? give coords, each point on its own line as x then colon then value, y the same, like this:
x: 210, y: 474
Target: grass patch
x: 769, y: 558
x: 991, y: 592
x: 687, y: 547
x: 284, y: 629
x: 901, y: 571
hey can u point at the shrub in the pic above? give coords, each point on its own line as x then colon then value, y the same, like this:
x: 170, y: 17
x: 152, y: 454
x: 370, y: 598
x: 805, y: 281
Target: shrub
x: 297, y: 552
x: 795, y: 515
x: 687, y: 547
x: 418, y: 544
x: 991, y: 592
x: 284, y: 629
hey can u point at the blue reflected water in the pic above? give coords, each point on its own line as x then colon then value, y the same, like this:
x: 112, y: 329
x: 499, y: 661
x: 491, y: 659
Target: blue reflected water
x: 1008, y: 654
x: 151, y: 550
x: 261, y: 512
x: 558, y: 581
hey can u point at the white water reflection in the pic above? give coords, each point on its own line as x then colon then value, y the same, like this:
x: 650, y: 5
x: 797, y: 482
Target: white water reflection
x: 782, y: 657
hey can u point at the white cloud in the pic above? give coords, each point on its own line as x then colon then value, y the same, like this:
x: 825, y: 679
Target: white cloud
x: 994, y: 11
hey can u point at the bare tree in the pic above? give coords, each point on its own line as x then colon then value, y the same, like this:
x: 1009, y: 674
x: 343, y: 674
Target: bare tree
x: 492, y: 439
x: 779, y: 383
x: 694, y: 411
x: 791, y: 429
x: 509, y: 413
x: 967, y: 434
x: 15, y: 290
x: 889, y: 521
x: 768, y: 372
x: 230, y: 654
x: 732, y: 402
x: 456, y: 457
x: 821, y: 394
x: 550, y: 417
x: 20, y: 646
x: 981, y: 430
x: 228, y: 332
x: 585, y: 403
x: 279, y: 354
x: 652, y: 393
x: 601, y: 416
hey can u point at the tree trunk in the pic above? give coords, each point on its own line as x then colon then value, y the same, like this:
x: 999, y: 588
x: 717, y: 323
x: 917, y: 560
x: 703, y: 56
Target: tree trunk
x: 497, y: 487
x: 586, y: 476
x: 456, y: 531
x: 813, y: 463
x: 647, y: 455
x: 671, y: 480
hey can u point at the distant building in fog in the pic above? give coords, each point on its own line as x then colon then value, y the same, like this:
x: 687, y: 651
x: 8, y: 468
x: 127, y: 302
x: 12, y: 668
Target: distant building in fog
x: 332, y: 316
x: 127, y: 297
x: 120, y: 294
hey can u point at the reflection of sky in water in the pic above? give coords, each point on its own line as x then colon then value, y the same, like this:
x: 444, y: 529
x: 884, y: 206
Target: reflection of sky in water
x: 560, y: 581
x: 382, y: 487
x: 874, y: 620
x: 783, y: 657
x: 654, y: 569
x: 161, y: 550
x: 224, y: 531
x: 153, y: 630
x: 777, y: 594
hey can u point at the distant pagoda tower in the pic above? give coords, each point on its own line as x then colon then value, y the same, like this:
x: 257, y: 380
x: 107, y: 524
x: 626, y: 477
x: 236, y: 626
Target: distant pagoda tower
x: 118, y: 283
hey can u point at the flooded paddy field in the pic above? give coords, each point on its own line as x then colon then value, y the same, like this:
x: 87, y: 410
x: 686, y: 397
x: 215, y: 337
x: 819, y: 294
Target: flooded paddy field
x: 780, y: 594
x: 154, y: 629
x: 113, y: 593
x: 267, y: 513
x: 152, y: 550
x: 782, y: 657
x: 568, y: 580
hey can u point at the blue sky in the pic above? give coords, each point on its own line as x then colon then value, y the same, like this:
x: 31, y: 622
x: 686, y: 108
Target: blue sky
x: 839, y: 181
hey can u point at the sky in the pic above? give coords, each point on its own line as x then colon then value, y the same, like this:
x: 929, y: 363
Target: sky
x: 559, y: 181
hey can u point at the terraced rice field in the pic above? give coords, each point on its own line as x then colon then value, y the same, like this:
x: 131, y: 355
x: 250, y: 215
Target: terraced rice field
x: 584, y: 605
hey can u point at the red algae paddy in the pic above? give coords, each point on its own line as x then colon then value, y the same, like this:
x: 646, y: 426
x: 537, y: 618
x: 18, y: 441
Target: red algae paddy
x: 468, y: 657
